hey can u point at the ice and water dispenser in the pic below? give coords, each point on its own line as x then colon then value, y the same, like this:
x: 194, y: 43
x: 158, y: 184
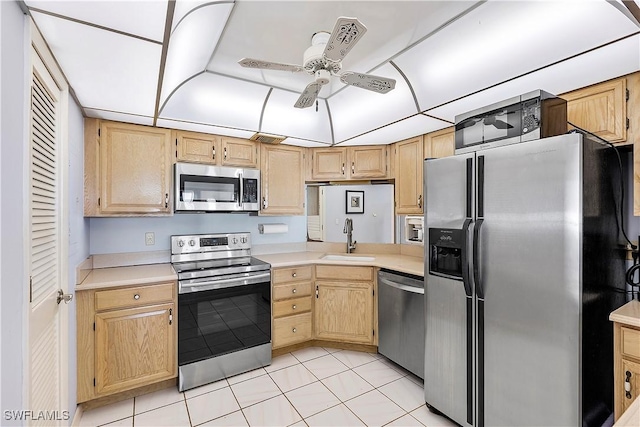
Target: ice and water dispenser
x: 446, y: 246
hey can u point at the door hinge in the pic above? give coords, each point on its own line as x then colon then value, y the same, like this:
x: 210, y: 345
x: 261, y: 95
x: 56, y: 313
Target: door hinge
x: 98, y: 201
x: 94, y: 382
x: 94, y: 326
x: 374, y: 332
x: 30, y: 288
x: 373, y: 292
x: 627, y: 122
x: 99, y: 130
x: 627, y: 95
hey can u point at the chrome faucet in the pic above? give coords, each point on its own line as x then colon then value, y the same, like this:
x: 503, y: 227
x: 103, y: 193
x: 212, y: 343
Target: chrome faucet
x: 348, y: 230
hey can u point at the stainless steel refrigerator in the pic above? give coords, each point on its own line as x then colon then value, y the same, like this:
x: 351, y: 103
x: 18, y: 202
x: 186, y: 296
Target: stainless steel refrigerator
x: 522, y: 261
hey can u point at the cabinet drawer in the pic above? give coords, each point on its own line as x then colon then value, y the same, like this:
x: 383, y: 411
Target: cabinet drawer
x: 630, y: 342
x: 292, y: 306
x: 134, y: 296
x: 291, y: 330
x: 296, y: 274
x: 291, y: 290
x: 344, y: 273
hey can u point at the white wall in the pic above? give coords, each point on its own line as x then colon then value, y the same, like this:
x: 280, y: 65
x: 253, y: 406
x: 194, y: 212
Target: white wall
x: 12, y: 209
x: 375, y: 225
x: 115, y: 235
x: 78, y: 233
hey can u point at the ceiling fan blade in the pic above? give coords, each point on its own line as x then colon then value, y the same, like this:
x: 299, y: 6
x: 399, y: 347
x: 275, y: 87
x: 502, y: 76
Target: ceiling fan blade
x: 368, y: 81
x: 344, y: 36
x: 266, y: 65
x: 308, y: 96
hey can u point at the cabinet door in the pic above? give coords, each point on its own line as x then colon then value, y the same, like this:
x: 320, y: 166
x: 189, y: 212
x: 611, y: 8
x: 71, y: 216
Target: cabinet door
x: 197, y: 147
x: 344, y: 311
x: 239, y: 152
x: 368, y: 162
x: 408, y: 171
x: 630, y: 374
x: 135, y: 169
x: 328, y: 164
x: 439, y: 144
x: 600, y: 109
x: 282, y: 176
x: 134, y: 347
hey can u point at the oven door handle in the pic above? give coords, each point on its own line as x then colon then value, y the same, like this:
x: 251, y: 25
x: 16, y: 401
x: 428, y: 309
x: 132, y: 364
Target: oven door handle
x: 188, y: 286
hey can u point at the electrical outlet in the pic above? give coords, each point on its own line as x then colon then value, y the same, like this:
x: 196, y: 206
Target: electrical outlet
x: 150, y: 238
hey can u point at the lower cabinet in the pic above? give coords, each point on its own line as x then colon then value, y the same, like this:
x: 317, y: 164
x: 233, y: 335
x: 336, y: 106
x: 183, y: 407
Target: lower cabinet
x: 291, y: 306
x: 626, y: 368
x: 344, y: 304
x: 127, y: 338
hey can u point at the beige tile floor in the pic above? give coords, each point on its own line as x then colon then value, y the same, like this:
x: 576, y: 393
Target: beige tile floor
x: 310, y: 387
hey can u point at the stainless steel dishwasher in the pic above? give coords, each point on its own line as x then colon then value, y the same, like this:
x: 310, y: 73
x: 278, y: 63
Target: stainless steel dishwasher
x: 401, y: 319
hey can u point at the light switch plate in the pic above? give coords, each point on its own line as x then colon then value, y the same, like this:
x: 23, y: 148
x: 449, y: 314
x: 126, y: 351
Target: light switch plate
x: 150, y: 238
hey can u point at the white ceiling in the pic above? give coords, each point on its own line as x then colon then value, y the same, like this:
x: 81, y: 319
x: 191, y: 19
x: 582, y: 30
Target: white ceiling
x: 447, y: 57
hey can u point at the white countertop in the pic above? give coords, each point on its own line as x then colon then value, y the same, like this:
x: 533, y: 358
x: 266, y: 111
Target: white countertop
x: 629, y: 314
x: 124, y: 276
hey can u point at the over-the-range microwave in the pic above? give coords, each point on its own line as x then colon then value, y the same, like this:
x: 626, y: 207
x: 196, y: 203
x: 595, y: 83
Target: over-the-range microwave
x: 204, y: 188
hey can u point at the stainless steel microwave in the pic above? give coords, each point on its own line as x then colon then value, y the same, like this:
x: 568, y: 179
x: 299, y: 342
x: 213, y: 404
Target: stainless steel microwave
x: 204, y: 188
x: 530, y: 116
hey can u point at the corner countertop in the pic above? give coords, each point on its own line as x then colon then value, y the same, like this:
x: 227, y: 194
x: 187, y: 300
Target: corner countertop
x: 402, y: 263
x: 629, y: 314
x: 101, y: 278
x: 630, y: 417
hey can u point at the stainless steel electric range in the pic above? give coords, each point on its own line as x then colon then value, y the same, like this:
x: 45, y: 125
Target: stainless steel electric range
x: 224, y: 308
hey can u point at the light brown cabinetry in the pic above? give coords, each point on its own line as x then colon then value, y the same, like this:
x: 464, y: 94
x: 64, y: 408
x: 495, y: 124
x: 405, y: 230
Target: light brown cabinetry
x: 626, y: 366
x: 127, y: 169
x: 291, y: 306
x: 439, y: 144
x: 126, y: 338
x: 216, y: 150
x: 343, y: 163
x: 344, y: 304
x: 601, y: 109
x: 408, y: 176
x: 282, y: 175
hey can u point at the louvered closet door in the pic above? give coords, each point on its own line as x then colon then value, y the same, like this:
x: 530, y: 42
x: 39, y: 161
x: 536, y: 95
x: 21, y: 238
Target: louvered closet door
x: 47, y: 339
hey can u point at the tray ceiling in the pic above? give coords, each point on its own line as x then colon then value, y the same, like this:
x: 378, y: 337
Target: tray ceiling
x: 174, y: 64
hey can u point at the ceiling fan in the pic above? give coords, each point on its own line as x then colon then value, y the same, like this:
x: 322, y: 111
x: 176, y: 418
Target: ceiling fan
x: 324, y: 59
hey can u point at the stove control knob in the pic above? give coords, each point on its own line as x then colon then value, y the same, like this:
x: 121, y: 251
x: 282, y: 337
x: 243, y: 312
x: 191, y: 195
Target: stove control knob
x: 192, y: 242
x: 181, y: 243
x: 234, y: 241
x: 243, y: 239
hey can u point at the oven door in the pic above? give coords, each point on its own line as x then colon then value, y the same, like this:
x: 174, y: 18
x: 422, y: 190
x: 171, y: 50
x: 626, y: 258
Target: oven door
x: 226, y: 319
x: 207, y: 188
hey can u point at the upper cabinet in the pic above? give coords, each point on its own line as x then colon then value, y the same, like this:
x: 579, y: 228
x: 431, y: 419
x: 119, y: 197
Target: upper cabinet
x: 601, y: 109
x: 216, y: 150
x: 282, y: 174
x: 127, y: 169
x: 408, y: 174
x: 342, y: 163
x: 439, y: 144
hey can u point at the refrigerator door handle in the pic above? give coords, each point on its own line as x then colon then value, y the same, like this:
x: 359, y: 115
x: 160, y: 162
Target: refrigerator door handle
x: 476, y: 259
x: 468, y: 290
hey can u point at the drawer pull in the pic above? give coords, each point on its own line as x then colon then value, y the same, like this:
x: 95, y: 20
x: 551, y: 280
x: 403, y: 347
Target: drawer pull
x: 294, y: 290
x: 136, y: 296
x: 293, y: 274
x: 294, y: 306
x: 294, y: 330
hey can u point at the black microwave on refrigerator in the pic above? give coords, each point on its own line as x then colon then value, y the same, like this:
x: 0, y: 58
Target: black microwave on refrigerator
x: 204, y: 188
x: 534, y: 115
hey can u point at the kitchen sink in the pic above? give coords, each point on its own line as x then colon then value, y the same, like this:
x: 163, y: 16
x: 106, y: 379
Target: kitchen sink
x: 352, y: 258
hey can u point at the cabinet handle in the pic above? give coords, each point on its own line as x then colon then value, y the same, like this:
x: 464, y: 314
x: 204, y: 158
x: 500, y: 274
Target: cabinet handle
x: 264, y: 203
x: 213, y: 150
x: 627, y: 384
x: 136, y: 297
x: 294, y: 306
x: 293, y: 274
x: 170, y: 315
x: 294, y: 330
x: 294, y: 290
x: 420, y: 201
x: 353, y: 167
x: 166, y: 200
x: 343, y: 169
x: 225, y: 153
